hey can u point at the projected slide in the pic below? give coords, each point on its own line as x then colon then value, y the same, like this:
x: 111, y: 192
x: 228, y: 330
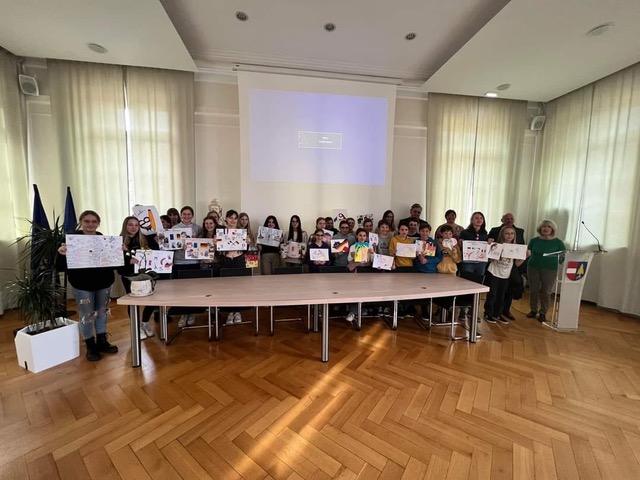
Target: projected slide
x: 305, y: 137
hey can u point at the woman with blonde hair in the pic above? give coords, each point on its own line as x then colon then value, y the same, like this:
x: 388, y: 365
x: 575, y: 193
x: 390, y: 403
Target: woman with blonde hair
x: 542, y: 269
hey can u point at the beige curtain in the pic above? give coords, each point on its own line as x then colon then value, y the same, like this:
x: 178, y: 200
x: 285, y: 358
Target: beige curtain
x: 161, y: 134
x: 14, y: 202
x: 452, y: 122
x: 88, y: 109
x: 590, y: 172
x: 474, y: 147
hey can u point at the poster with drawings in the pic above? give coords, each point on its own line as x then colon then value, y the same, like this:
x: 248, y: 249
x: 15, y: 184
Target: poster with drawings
x: 339, y: 245
x: 149, y: 218
x: 173, y: 239
x: 296, y: 250
x: 155, y: 260
x: 338, y: 215
x: 474, y: 251
x: 199, y: 249
x: 362, y: 217
x: 230, y: 239
x: 383, y: 262
x: 373, y: 239
x: 407, y: 250
x: 94, y: 251
x: 270, y: 236
x: 514, y: 250
x: 495, y: 249
x: 425, y: 248
x: 319, y: 254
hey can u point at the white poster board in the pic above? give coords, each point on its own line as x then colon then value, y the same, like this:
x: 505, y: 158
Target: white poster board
x: 155, y: 260
x: 174, y: 238
x: 149, y: 218
x: 94, y: 251
x: 230, y: 239
x: 199, y: 248
x: 474, y: 251
x: 270, y: 236
x: 383, y: 262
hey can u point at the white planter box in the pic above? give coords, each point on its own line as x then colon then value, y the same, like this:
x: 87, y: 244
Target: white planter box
x: 48, y: 349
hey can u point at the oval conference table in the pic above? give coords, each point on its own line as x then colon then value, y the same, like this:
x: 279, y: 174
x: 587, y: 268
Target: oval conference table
x: 299, y: 289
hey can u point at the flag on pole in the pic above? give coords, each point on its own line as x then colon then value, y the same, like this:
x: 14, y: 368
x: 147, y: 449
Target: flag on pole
x: 39, y: 219
x: 70, y: 219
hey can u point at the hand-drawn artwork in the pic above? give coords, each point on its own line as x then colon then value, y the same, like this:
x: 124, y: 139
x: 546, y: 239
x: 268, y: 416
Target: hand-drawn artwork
x: 252, y: 260
x: 362, y: 217
x: 514, y: 250
x: 495, y: 249
x: 174, y: 238
x: 154, y: 260
x: 425, y: 248
x: 373, y: 239
x: 383, y: 262
x: 406, y: 250
x: 296, y: 250
x: 328, y: 235
x: 94, y: 251
x: 318, y: 254
x: 474, y: 251
x: 339, y: 245
x: 339, y: 214
x: 149, y: 218
x: 270, y: 236
x: 230, y: 239
x: 199, y: 248
x: 449, y: 242
x: 361, y: 252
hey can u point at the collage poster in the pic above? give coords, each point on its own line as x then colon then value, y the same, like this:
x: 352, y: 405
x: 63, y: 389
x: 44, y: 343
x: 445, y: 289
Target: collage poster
x: 426, y: 248
x: 269, y: 236
x: 199, y: 249
x: 474, y: 251
x: 173, y: 239
x: 230, y: 239
x: 155, y: 260
x: 94, y: 251
x: 296, y: 250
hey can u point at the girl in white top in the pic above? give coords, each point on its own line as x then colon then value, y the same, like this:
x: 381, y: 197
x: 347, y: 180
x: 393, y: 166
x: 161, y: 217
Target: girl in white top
x: 297, y: 235
x: 497, y: 276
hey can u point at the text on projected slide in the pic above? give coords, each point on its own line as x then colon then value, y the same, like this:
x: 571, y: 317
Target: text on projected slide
x: 305, y: 137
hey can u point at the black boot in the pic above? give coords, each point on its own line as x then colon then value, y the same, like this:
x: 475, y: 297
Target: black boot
x: 93, y: 352
x: 104, y: 346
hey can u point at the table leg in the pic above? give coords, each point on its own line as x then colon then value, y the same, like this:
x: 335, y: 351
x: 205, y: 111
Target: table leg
x: 394, y: 325
x: 473, y: 327
x: 135, y: 336
x: 359, y: 320
x: 163, y: 323
x: 315, y: 318
x: 325, y: 332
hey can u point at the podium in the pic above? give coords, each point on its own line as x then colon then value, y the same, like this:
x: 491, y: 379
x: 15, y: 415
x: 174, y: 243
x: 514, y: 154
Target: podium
x: 574, y: 267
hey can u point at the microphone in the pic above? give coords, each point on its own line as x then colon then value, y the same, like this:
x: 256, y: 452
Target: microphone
x: 591, y: 233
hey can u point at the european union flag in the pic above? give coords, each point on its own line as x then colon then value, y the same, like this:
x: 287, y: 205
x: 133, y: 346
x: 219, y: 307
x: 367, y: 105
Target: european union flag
x: 70, y: 219
x: 39, y: 220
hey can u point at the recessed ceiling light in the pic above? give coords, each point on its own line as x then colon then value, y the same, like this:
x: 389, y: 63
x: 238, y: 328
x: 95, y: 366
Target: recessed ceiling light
x: 243, y: 17
x: 410, y: 36
x: 94, y: 47
x: 329, y: 27
x: 491, y: 94
x: 600, y: 29
x: 503, y: 87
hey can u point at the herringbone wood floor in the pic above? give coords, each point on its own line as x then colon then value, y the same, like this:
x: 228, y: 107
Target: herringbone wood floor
x: 525, y: 402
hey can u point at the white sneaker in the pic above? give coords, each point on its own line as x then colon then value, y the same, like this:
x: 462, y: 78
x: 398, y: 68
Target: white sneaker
x: 191, y: 319
x: 230, y: 318
x: 350, y: 317
x: 148, y: 331
x: 143, y: 334
x: 237, y: 318
x: 183, y: 321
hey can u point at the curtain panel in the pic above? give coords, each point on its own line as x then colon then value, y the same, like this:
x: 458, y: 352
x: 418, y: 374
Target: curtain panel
x: 474, y: 149
x: 15, y: 202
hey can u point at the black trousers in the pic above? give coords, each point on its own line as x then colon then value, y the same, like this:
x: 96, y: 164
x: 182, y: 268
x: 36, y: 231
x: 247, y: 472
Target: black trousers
x: 494, y: 304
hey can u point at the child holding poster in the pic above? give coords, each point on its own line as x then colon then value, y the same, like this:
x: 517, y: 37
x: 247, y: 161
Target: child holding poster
x: 497, y: 277
x: 360, y: 253
x: 429, y: 253
x: 450, y: 248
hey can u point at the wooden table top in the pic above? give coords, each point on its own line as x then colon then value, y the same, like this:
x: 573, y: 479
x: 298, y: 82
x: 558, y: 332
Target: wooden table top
x: 303, y: 289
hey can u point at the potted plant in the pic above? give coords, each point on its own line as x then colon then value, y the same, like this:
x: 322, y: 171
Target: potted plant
x: 47, y: 338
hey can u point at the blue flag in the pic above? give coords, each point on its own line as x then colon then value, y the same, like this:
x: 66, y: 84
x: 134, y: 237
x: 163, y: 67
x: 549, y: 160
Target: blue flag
x: 70, y: 219
x: 39, y: 219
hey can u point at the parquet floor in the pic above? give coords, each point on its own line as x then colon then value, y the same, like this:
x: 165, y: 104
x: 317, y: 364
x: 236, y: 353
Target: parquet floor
x: 525, y: 402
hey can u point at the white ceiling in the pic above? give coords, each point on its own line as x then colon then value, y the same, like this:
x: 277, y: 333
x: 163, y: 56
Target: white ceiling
x: 462, y: 46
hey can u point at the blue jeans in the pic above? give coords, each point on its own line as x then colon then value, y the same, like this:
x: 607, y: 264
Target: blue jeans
x: 473, y: 267
x: 92, y: 309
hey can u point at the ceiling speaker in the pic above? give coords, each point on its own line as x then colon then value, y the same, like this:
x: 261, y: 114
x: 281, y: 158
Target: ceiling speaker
x: 28, y: 85
x: 537, y: 122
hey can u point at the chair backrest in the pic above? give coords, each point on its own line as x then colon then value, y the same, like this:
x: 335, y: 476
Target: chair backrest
x: 195, y: 273
x: 288, y: 270
x: 473, y: 277
x: 236, y: 272
x: 333, y: 269
x: 404, y: 270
